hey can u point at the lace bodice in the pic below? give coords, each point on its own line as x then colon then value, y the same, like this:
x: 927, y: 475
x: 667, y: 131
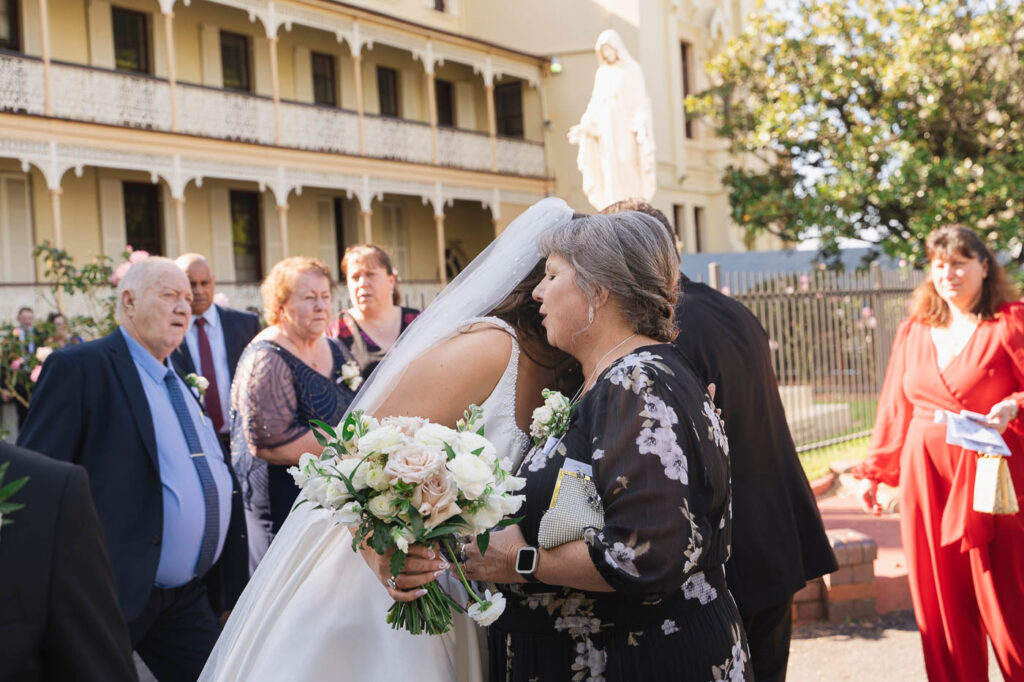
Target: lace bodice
x: 500, y: 406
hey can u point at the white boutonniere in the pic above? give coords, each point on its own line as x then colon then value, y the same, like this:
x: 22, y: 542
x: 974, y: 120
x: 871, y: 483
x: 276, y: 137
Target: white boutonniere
x: 350, y: 375
x: 551, y: 419
x: 198, y: 384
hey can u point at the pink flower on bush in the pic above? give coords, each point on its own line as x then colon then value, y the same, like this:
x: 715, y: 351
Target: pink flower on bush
x: 34, y: 376
x: 137, y: 256
x: 805, y: 282
x: 119, y: 272
x: 221, y: 300
x: 17, y: 363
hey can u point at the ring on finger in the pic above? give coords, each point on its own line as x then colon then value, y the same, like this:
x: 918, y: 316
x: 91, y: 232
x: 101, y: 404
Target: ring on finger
x: 462, y: 552
x: 390, y: 582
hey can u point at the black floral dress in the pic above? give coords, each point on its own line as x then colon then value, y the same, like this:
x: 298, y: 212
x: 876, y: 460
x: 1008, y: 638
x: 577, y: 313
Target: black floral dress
x: 659, y: 458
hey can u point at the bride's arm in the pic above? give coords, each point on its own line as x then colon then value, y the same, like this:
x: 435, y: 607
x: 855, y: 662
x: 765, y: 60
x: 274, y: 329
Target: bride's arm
x: 439, y: 386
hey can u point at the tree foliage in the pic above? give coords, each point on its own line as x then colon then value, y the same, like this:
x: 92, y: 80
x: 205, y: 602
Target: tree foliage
x: 875, y: 119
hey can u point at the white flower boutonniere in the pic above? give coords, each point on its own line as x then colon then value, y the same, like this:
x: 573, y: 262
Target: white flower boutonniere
x: 551, y: 419
x: 197, y: 383
x: 350, y: 375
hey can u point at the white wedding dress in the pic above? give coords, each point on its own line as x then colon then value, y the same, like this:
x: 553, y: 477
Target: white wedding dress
x: 321, y: 615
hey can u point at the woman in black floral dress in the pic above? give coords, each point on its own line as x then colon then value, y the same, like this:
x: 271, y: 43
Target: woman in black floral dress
x: 644, y: 597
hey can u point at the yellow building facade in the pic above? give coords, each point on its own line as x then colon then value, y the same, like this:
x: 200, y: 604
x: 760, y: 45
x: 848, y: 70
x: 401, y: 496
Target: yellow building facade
x: 251, y: 130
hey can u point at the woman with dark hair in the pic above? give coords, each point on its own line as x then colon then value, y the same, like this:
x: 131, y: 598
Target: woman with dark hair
x: 961, y: 349
x: 376, y: 317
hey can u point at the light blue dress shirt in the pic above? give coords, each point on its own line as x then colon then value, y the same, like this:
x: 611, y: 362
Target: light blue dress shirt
x: 219, y: 350
x: 184, y: 508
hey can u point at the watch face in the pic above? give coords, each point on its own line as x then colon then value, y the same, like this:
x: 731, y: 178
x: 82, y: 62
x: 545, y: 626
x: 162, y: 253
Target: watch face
x: 526, y: 560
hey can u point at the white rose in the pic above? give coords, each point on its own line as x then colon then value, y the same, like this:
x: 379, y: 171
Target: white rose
x: 510, y: 484
x: 415, y: 462
x: 435, y: 435
x: 382, y: 506
x: 543, y: 414
x: 377, y: 478
x: 336, y: 495
x: 349, y: 514
x: 471, y: 442
x: 472, y: 475
x: 315, y: 489
x: 557, y: 401
x: 407, y: 425
x: 352, y: 468
x: 383, y: 439
x: 487, y: 516
x: 349, y: 371
x: 203, y: 383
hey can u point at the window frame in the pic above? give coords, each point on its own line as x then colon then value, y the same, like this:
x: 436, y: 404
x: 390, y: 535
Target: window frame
x: 250, y: 247
x: 141, y: 28
x: 331, y: 80
x: 13, y: 41
x: 395, y: 111
x: 152, y: 243
x: 504, y: 118
x: 448, y: 99
x: 686, y: 63
x: 246, y: 62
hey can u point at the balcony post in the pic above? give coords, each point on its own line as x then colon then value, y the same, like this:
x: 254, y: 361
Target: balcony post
x: 432, y: 106
x: 44, y: 29
x: 357, y: 59
x: 58, y: 232
x: 367, y: 226
x: 172, y: 77
x: 179, y: 223
x: 492, y: 124
x: 441, y: 261
x: 275, y: 84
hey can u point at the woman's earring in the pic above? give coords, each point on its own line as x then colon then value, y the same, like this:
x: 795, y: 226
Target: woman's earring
x: 590, y: 314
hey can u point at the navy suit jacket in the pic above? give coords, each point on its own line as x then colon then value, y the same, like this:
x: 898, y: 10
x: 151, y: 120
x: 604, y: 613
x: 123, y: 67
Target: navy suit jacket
x: 239, y: 329
x: 89, y: 408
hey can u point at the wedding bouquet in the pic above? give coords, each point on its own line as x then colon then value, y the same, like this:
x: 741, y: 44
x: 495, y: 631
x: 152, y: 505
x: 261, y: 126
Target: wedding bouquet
x: 404, y: 480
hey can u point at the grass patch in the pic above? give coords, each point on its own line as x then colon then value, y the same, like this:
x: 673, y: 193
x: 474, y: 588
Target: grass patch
x: 816, y: 462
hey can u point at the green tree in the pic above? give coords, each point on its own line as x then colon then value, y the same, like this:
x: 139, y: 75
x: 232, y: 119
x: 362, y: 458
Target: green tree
x: 875, y: 119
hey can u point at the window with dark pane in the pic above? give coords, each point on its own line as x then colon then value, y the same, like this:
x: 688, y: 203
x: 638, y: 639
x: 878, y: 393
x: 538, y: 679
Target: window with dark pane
x: 10, y: 34
x: 699, y: 241
x: 445, y: 92
x: 387, y: 91
x: 143, y: 217
x: 508, y: 108
x: 131, y: 40
x: 440, y: 5
x: 339, y: 224
x: 234, y: 61
x: 245, y: 236
x: 686, y: 53
x: 324, y: 88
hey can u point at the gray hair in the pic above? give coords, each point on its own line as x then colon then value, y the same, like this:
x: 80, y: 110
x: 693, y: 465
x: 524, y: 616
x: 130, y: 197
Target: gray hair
x: 140, y: 277
x: 631, y: 256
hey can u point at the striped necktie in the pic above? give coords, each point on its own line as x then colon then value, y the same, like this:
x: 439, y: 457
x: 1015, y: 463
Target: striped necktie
x: 211, y: 533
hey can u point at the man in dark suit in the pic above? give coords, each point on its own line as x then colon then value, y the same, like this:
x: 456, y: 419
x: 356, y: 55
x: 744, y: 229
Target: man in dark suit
x: 778, y: 539
x: 58, y: 607
x: 157, y: 473
x: 213, y: 344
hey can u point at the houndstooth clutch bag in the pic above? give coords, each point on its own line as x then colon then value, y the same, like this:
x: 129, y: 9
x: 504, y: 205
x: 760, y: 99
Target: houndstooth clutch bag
x: 575, y: 507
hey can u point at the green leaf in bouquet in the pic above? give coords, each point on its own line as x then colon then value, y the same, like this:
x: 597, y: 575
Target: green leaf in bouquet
x: 397, y: 562
x: 448, y: 450
x: 323, y: 427
x: 444, y: 529
x: 510, y: 522
x: 381, y: 542
x: 483, y: 540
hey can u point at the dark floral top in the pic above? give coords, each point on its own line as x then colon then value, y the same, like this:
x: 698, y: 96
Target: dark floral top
x: 659, y: 457
x: 365, y: 350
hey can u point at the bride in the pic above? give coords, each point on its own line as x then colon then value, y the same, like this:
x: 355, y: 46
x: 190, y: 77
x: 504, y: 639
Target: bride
x: 314, y: 609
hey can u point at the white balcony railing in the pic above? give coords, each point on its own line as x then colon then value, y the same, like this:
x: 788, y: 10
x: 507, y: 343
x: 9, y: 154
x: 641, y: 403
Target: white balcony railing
x: 225, y: 114
x: 398, y: 139
x: 520, y: 157
x: 82, y: 93
x: 110, y: 97
x: 461, y: 149
x: 318, y: 128
x: 21, y: 85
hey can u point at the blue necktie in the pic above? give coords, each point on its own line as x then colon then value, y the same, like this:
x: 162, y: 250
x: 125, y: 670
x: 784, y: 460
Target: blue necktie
x: 211, y: 533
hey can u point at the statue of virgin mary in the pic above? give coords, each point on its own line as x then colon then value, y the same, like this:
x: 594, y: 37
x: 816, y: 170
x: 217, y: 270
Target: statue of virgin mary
x: 616, y: 133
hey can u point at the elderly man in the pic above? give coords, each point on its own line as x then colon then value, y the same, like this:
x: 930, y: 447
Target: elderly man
x: 214, y: 342
x: 157, y: 474
x: 778, y: 539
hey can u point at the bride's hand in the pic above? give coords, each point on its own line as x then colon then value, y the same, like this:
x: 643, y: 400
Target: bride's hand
x: 498, y: 564
x: 422, y: 565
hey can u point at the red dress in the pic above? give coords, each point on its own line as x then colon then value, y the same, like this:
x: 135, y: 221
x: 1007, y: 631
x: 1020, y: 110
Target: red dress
x: 966, y: 569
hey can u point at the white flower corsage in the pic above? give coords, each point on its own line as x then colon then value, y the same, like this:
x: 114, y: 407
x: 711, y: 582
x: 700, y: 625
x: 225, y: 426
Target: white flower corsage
x: 350, y: 375
x: 198, y: 383
x: 551, y: 419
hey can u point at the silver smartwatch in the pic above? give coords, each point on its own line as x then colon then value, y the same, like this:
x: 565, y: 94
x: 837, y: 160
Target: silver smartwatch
x: 526, y: 563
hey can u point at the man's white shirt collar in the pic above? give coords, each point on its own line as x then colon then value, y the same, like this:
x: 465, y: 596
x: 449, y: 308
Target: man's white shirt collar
x: 211, y: 317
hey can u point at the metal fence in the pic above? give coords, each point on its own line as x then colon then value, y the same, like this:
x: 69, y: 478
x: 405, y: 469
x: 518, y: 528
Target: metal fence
x: 830, y: 335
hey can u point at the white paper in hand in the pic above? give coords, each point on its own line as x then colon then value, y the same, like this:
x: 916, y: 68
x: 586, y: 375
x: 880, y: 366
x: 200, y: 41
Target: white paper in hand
x: 969, y: 433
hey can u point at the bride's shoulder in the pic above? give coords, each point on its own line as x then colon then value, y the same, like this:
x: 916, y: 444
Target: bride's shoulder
x: 481, y: 345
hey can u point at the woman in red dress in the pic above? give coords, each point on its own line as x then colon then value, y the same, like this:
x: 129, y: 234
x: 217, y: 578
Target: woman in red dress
x: 961, y: 349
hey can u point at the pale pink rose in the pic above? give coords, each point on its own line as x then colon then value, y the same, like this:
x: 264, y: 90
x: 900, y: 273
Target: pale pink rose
x: 138, y: 256
x: 43, y: 352
x: 34, y: 376
x: 119, y: 272
x: 435, y: 498
x: 415, y: 463
x: 17, y: 363
x: 407, y: 425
